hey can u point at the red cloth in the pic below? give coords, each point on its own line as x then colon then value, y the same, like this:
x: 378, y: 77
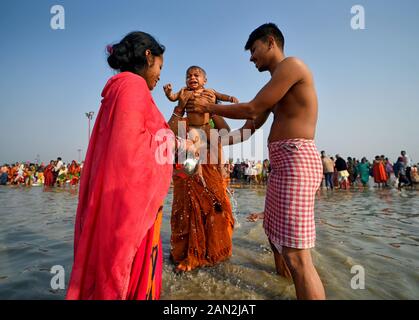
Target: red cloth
x: 121, y: 190
x: 48, y: 175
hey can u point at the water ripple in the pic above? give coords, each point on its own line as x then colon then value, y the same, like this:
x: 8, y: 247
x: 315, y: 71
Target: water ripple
x: 377, y: 229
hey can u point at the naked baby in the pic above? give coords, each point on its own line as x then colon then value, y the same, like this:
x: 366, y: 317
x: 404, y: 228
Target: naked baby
x: 197, y: 123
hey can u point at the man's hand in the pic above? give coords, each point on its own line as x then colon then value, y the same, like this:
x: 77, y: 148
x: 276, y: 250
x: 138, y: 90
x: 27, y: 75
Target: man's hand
x: 208, y: 95
x: 234, y: 100
x: 253, y: 217
x: 198, y: 104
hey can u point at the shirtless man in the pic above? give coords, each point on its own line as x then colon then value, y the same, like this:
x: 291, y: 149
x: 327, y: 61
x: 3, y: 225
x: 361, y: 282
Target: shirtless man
x: 296, y: 165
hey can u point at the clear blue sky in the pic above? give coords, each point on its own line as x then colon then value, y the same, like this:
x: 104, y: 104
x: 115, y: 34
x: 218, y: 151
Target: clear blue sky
x: 367, y: 80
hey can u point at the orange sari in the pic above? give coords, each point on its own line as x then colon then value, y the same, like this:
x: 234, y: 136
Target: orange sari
x: 379, y: 172
x: 202, y: 220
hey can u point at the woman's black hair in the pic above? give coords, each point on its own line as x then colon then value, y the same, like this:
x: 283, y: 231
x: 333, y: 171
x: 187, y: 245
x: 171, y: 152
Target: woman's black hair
x: 129, y: 53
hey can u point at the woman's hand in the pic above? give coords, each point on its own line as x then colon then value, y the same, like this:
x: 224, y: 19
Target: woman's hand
x: 191, y: 146
x: 185, y: 145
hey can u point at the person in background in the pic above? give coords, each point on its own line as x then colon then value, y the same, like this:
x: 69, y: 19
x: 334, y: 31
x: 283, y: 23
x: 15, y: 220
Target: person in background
x: 408, y: 163
x: 379, y: 172
x: 328, y: 169
x: 4, y: 175
x: 400, y: 170
x: 363, y: 169
x: 343, y: 174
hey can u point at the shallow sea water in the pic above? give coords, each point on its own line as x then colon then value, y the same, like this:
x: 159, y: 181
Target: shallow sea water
x: 377, y: 229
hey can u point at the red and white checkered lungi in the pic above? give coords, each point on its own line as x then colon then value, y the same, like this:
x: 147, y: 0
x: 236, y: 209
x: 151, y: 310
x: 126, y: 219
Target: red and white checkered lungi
x: 296, y: 174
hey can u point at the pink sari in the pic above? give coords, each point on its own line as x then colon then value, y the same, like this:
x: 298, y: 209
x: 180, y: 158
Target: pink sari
x: 117, y: 247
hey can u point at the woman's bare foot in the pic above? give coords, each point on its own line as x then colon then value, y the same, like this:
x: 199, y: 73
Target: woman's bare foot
x: 182, y: 268
x: 253, y: 217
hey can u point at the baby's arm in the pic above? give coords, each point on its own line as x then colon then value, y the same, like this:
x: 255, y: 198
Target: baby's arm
x: 226, y: 98
x: 169, y: 94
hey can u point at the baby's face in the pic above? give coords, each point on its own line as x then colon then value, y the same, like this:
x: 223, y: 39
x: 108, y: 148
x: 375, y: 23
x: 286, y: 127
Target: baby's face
x: 195, y: 79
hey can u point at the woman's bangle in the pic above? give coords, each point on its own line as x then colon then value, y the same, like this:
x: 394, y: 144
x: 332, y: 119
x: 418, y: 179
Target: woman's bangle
x: 179, y: 111
x: 177, y: 115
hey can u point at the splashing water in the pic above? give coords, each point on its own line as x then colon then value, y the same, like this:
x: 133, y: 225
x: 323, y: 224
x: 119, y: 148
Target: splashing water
x: 234, y: 207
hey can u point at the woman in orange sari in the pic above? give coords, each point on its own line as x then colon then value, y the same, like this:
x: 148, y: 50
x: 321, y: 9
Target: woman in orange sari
x: 117, y: 246
x: 379, y: 172
x: 202, y: 220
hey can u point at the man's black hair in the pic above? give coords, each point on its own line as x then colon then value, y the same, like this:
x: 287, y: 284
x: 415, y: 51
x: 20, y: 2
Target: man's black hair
x: 262, y: 33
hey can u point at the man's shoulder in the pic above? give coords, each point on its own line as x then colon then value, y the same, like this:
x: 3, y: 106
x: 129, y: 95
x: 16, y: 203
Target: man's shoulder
x: 293, y: 62
x: 293, y: 65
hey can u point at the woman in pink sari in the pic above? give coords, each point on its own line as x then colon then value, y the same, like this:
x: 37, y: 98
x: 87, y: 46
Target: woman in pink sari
x: 117, y: 247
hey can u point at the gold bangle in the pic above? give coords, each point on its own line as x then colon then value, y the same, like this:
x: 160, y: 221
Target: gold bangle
x: 176, y: 115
